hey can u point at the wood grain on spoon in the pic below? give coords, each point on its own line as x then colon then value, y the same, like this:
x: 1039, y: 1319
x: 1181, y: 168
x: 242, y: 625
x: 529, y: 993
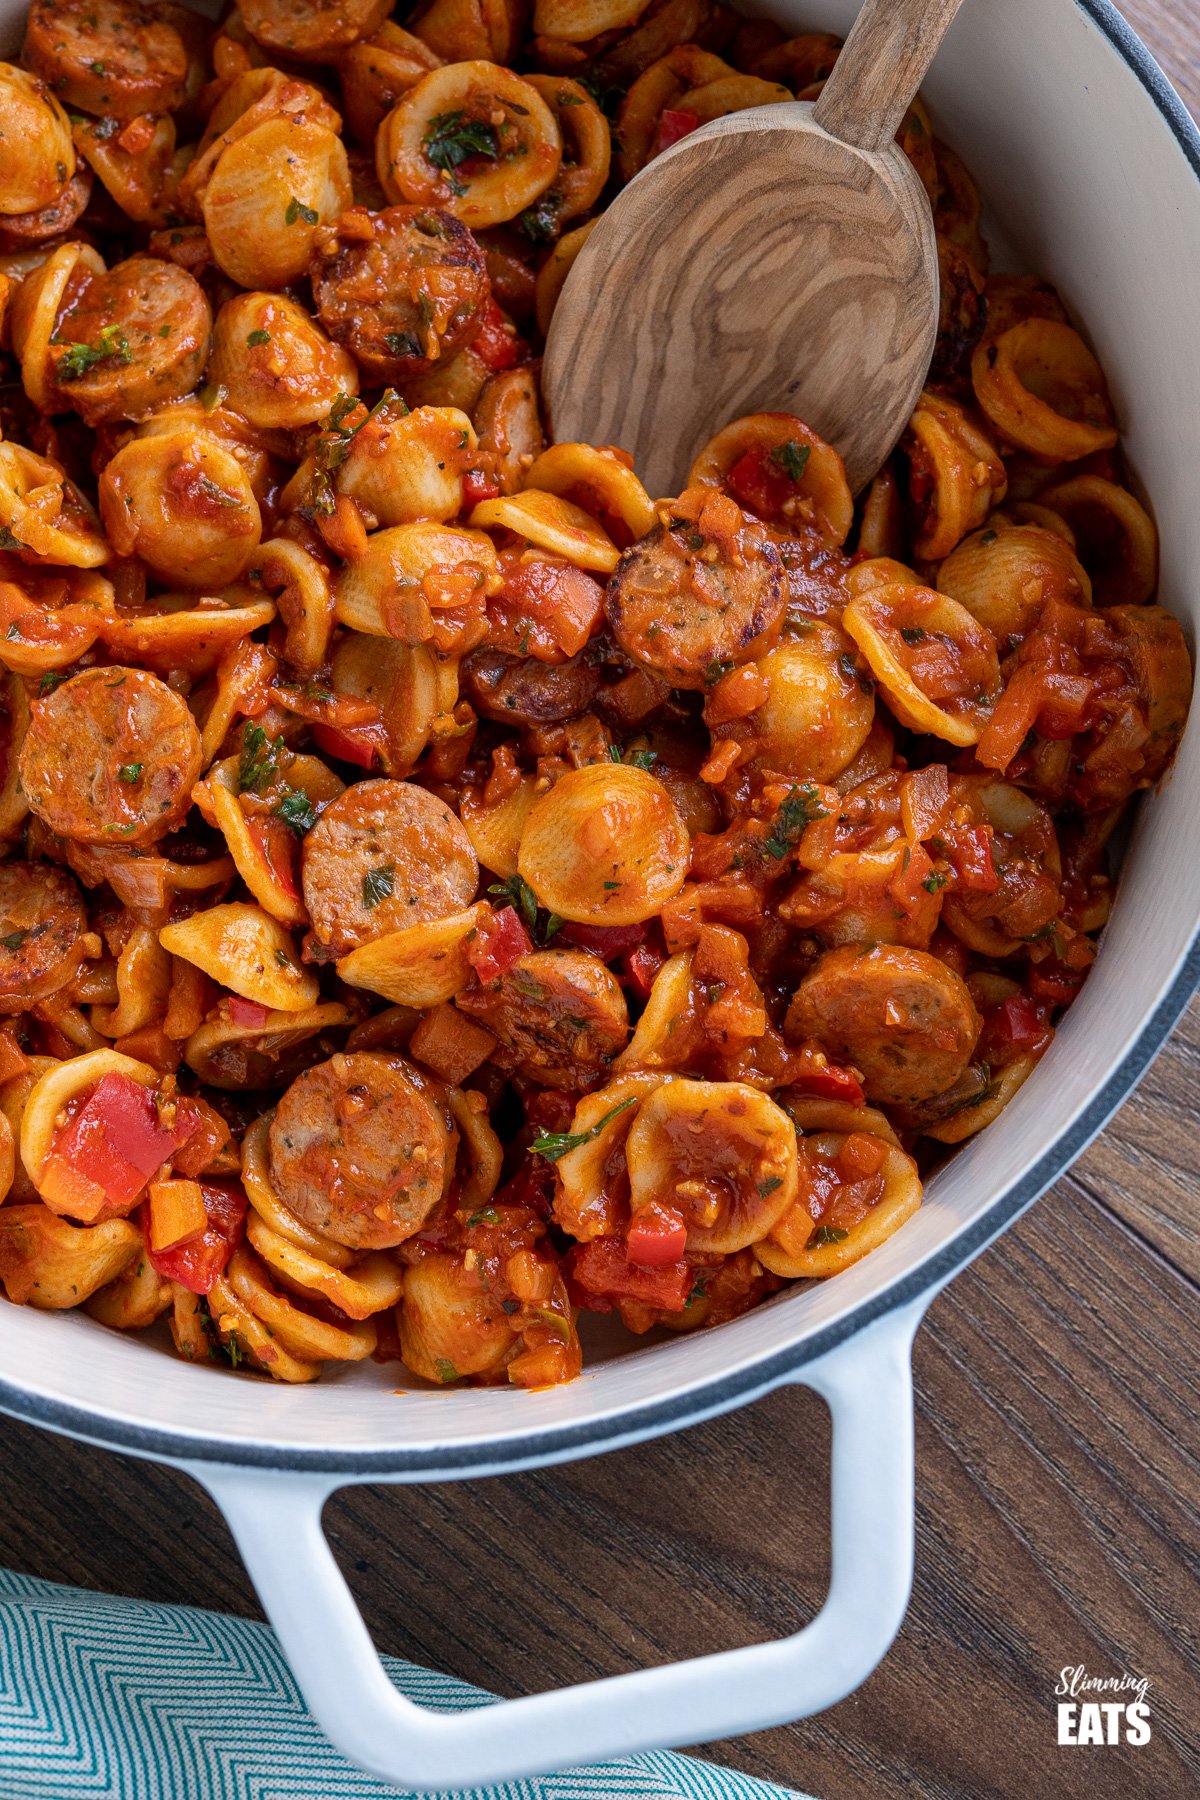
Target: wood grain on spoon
x: 780, y: 259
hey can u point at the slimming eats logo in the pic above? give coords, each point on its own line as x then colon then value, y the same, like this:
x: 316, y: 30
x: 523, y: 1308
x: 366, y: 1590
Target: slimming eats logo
x: 1102, y: 1709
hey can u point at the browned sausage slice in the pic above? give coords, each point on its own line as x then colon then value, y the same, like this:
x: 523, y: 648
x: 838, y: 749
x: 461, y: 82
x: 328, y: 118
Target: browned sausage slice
x: 560, y: 1015
x: 360, y: 1147
x: 113, y: 57
x: 134, y: 339
x: 21, y: 231
x: 399, y: 289
x: 385, y: 855
x: 516, y: 690
x: 685, y: 605
x: 42, y: 920
x: 312, y: 30
x: 110, y: 757
x: 901, y: 1017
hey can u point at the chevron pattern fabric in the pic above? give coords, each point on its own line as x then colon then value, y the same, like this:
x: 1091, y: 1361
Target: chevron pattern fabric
x: 121, y: 1700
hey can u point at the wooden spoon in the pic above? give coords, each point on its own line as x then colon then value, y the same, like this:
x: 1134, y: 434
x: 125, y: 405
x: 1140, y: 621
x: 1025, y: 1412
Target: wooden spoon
x: 778, y: 259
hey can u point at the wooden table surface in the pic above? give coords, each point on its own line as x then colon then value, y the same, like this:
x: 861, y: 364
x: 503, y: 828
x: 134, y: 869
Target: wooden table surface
x: 1058, y: 1517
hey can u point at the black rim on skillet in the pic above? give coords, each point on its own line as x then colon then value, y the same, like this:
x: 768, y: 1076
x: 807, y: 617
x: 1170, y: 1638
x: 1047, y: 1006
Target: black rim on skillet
x: 723, y: 1393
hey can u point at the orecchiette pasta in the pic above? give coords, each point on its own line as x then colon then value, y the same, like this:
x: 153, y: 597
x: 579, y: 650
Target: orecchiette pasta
x: 447, y: 889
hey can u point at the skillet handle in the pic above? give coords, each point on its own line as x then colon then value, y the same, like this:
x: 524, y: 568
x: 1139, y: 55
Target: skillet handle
x: 276, y: 1519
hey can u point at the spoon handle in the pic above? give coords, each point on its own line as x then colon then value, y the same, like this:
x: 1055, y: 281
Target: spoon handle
x: 882, y: 64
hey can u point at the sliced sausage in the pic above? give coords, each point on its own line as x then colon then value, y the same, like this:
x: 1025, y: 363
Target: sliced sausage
x: 516, y: 690
x: 901, y: 1017
x: 110, y: 757
x: 685, y: 612
x: 360, y: 1147
x: 113, y: 57
x: 134, y: 339
x: 385, y: 855
x: 508, y: 421
x: 559, y: 1014
x: 22, y: 231
x: 312, y: 30
x: 400, y: 289
x: 42, y: 920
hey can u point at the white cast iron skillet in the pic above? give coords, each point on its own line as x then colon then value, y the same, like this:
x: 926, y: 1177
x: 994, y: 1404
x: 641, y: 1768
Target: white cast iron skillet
x: 1092, y: 169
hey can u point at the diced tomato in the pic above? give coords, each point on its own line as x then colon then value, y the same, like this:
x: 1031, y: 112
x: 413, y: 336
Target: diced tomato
x: 346, y: 745
x: 197, y: 1262
x: 970, y: 852
x: 822, y: 1080
x: 754, y: 483
x: 279, y: 848
x: 247, y: 1012
x: 208, y: 1137
x: 544, y: 608
x: 500, y: 941
x: 496, y: 342
x: 604, y: 941
x: 532, y: 1186
x: 861, y: 1154
x: 640, y: 966
x: 1056, y: 982
x: 478, y: 486
x: 13, y: 1060
x: 657, y: 1237
x: 102, y: 1158
x: 907, y: 887
x: 601, y: 1273
x: 1014, y: 1028
x: 674, y: 125
x: 150, y: 1044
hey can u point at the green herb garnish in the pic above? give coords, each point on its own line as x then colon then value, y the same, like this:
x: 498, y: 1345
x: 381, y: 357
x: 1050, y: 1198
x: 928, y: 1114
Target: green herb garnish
x: 79, y: 358
x: 259, y: 762
x: 297, y: 210
x: 129, y: 772
x: 799, y: 810
x: 296, y: 810
x: 378, y: 884
x: 554, y: 1144
x: 791, y: 458
x: 826, y: 1234
x: 258, y: 337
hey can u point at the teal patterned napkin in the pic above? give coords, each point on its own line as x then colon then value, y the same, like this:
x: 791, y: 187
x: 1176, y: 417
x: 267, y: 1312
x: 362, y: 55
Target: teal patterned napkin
x: 121, y: 1700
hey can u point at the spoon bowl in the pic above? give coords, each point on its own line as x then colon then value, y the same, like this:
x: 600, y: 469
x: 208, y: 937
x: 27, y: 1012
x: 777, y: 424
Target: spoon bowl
x: 781, y: 259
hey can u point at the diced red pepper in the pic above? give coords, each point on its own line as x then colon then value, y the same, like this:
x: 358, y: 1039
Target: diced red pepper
x: 1014, y: 1028
x: 640, y: 966
x: 754, y: 482
x: 477, y: 486
x: 247, y: 1012
x: 674, y: 125
x: 604, y: 941
x: 823, y: 1080
x: 279, y: 848
x: 969, y: 850
x: 657, y: 1237
x: 345, y: 745
x: 601, y: 1273
x: 500, y: 941
x: 102, y: 1158
x: 496, y: 342
x: 197, y: 1261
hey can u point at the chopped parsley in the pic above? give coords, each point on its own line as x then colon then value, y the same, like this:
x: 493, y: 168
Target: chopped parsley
x: 297, y: 210
x: 259, y: 762
x: 826, y: 1234
x: 452, y: 138
x: 50, y: 680
x: 487, y: 1215
x: 12, y: 943
x: 378, y: 884
x: 517, y: 893
x: 296, y: 810
x: 258, y: 337
x: 217, y: 495
x: 768, y: 1184
x: 79, y: 358
x: 933, y: 882
x: 403, y: 343
x: 799, y: 809
x: 8, y: 540
x: 129, y: 772
x: 554, y: 1144
x: 913, y: 634
x: 445, y: 1371
x: 791, y: 459
x: 539, y: 222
